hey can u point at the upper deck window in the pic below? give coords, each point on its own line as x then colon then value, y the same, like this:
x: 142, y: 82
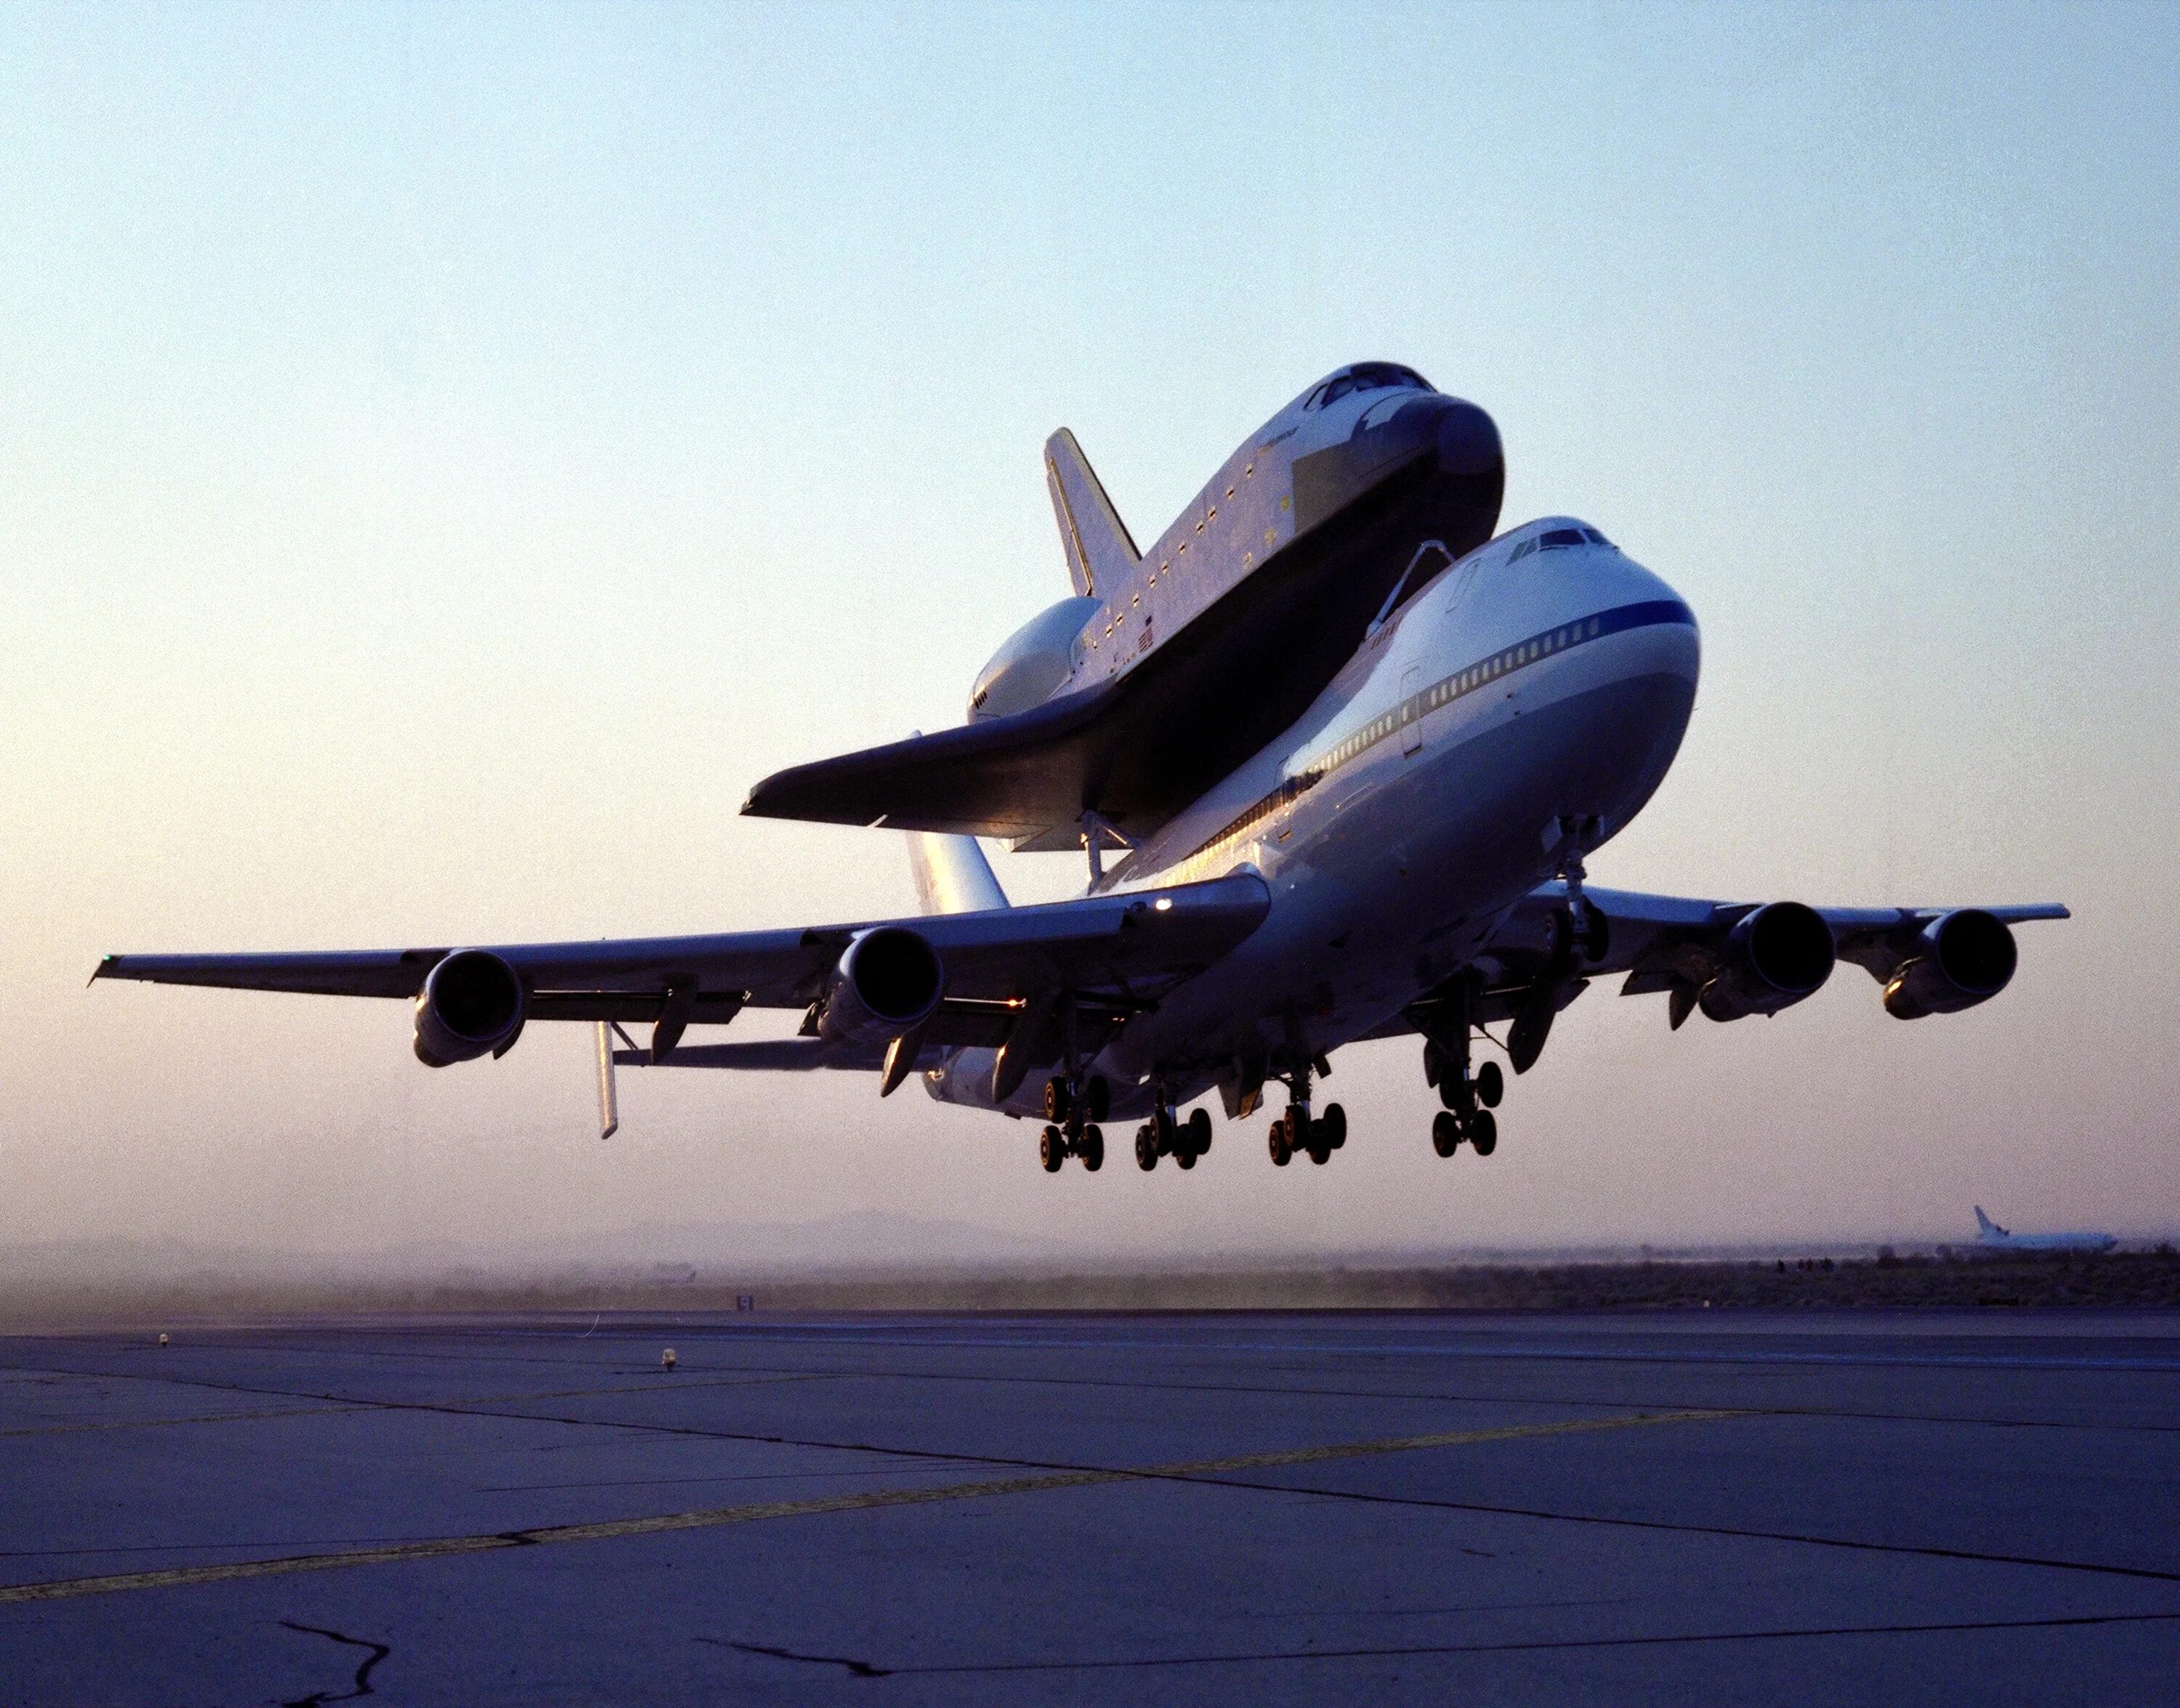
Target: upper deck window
x: 1369, y: 376
x: 1555, y: 538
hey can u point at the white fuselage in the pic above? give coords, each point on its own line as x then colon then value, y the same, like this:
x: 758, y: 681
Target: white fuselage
x: 1416, y: 800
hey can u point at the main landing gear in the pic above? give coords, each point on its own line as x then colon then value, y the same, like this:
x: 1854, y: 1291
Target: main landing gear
x: 1165, y: 1135
x: 1072, y: 1117
x: 1317, y: 1138
x: 1469, y: 1097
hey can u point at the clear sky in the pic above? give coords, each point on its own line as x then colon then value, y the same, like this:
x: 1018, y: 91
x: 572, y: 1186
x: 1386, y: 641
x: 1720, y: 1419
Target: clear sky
x: 447, y: 455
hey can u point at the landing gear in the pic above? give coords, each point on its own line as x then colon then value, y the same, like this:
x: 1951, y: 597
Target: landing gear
x: 1295, y: 1132
x: 1071, y: 1115
x: 1165, y: 1135
x: 1479, y: 1127
x: 1469, y: 1097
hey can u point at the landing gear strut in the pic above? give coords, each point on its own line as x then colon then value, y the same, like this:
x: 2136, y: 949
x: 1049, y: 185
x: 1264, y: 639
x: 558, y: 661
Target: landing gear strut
x: 1469, y: 1097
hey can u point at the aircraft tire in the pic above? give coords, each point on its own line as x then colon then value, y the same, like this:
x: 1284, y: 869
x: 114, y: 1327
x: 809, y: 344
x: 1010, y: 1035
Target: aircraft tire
x: 1333, y: 1124
x: 1184, y: 1158
x: 1490, y: 1085
x: 1282, y: 1151
x: 1320, y: 1153
x: 1055, y: 1099
x: 1483, y: 1131
x: 1097, y: 1099
x: 1146, y: 1150
x: 1051, y: 1150
x: 1199, y: 1132
x: 1445, y: 1133
x: 1091, y: 1148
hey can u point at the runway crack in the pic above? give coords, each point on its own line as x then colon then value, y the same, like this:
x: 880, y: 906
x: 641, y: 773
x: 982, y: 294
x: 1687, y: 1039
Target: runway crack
x: 379, y: 1651
x: 1426, y: 1651
x: 856, y: 1669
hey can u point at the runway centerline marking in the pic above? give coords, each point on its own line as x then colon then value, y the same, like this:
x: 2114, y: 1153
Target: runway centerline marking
x: 441, y: 1547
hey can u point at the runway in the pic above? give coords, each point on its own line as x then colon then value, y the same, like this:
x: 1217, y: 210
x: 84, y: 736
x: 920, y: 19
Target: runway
x: 1073, y: 1508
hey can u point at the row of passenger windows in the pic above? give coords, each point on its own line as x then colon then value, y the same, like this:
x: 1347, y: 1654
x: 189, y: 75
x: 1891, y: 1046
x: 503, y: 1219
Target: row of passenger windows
x: 1438, y: 693
x: 1557, y: 539
x: 1453, y: 687
x: 1270, y: 804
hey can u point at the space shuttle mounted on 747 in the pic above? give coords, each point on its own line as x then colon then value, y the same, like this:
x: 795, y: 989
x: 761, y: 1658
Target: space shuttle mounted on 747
x: 1337, y: 754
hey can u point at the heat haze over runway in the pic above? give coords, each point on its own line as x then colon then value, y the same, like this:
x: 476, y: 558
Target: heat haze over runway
x: 1245, y: 1507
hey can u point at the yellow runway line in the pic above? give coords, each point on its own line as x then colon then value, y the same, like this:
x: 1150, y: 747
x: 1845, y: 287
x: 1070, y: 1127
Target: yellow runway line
x: 711, y: 1518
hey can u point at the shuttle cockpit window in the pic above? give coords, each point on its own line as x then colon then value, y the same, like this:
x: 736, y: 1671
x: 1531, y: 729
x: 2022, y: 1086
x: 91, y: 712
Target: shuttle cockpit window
x: 1369, y: 376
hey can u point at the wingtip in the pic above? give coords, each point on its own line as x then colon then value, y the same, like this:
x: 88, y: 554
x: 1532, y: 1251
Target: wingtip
x: 104, y: 962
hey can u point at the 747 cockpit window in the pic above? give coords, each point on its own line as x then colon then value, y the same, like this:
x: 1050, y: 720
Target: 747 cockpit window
x: 1369, y: 376
x: 1557, y: 539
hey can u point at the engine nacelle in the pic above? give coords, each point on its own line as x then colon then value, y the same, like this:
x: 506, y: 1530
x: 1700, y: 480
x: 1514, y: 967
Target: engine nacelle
x: 1961, y: 958
x: 886, y: 985
x: 471, y: 1004
x: 1775, y: 956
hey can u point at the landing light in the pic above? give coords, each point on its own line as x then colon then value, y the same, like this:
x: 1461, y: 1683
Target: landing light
x: 1164, y: 902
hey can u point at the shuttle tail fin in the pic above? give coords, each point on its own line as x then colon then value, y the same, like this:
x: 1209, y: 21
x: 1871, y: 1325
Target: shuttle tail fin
x: 1099, y: 547
x: 951, y: 873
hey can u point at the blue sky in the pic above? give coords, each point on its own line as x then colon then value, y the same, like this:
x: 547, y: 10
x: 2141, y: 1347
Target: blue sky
x: 450, y: 452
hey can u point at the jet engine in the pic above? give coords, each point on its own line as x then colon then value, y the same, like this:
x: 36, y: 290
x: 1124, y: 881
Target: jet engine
x: 1772, y: 960
x: 886, y: 985
x: 1961, y: 958
x: 471, y: 1003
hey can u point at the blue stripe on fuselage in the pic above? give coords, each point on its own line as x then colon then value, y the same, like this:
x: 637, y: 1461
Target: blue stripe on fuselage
x: 1496, y: 666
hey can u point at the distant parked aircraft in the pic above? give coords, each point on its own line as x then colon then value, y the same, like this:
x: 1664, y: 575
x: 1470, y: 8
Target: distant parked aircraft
x: 1990, y: 1236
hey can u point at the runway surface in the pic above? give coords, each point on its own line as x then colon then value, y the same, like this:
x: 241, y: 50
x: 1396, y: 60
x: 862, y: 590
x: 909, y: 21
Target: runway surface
x: 1261, y: 1508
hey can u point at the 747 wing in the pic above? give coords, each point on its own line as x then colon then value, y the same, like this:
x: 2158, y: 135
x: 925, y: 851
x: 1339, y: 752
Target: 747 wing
x: 876, y: 993
x: 1727, y: 958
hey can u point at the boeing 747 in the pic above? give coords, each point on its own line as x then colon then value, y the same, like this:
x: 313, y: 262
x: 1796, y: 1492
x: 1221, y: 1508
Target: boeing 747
x: 1337, y: 754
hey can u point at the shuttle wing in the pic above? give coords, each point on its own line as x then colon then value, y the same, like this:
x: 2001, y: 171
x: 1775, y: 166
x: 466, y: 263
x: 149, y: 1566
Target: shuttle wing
x: 1140, y: 746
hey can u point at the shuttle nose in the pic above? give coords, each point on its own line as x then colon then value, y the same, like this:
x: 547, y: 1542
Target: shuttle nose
x: 1468, y: 441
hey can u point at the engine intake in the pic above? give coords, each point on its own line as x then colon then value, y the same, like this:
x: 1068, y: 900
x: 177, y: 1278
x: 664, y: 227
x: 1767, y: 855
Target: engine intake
x: 472, y: 1003
x: 886, y: 985
x: 1775, y: 958
x: 1961, y: 958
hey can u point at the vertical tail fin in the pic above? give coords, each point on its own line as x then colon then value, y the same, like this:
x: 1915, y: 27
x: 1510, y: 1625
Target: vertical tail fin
x: 1099, y: 548
x: 951, y: 873
x: 1983, y: 1222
